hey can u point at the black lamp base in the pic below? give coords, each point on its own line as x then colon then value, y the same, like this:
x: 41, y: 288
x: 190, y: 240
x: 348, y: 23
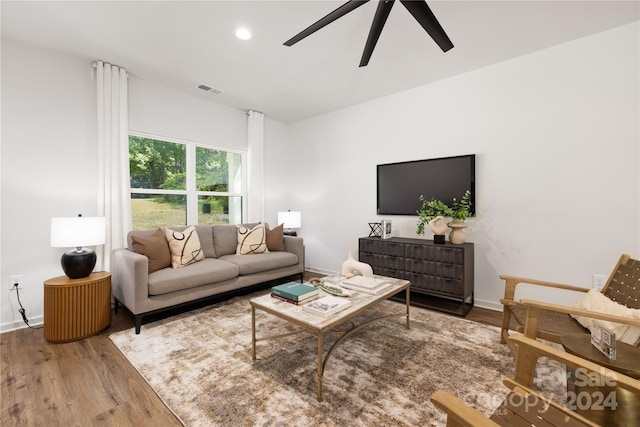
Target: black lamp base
x: 289, y: 232
x: 78, y: 263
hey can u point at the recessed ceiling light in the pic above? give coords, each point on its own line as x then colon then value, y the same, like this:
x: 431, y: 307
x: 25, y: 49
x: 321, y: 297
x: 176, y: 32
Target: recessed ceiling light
x: 243, y: 33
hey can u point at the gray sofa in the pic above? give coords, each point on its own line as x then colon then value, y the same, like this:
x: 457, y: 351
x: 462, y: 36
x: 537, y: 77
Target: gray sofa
x: 221, y: 272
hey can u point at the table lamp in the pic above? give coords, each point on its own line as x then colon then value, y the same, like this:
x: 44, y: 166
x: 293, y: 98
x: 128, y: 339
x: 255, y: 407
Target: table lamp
x: 78, y: 232
x: 290, y: 220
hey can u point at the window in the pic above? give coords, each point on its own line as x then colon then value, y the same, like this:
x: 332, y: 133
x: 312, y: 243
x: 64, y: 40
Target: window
x: 179, y: 183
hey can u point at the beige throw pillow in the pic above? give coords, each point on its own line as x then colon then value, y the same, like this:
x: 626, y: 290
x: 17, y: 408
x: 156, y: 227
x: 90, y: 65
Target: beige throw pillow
x: 594, y: 300
x: 185, y: 247
x: 252, y: 241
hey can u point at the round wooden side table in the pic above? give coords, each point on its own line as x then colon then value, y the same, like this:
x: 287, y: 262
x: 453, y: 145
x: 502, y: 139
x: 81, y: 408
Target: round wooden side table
x: 76, y: 308
x: 587, y: 397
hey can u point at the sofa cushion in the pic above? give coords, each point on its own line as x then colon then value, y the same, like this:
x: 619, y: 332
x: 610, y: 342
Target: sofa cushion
x: 594, y: 300
x: 205, y: 234
x: 207, y: 271
x: 185, y: 246
x: 275, y: 238
x: 225, y: 239
x: 252, y: 240
x: 155, y: 247
x: 258, y: 263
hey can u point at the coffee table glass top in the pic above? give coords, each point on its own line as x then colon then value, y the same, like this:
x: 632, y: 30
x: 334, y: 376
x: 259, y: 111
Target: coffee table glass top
x: 359, y: 301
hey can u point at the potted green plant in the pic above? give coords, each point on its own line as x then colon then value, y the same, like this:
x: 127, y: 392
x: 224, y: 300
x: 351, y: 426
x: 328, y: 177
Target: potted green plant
x: 430, y: 209
x: 461, y: 209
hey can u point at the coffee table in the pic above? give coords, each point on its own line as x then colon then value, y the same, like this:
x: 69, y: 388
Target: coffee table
x: 320, y: 325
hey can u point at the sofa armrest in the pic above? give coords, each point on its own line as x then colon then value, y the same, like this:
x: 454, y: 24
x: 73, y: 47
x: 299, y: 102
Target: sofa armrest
x: 130, y: 279
x: 295, y: 245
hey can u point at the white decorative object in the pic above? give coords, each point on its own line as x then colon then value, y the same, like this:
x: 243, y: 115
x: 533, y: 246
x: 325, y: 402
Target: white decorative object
x: 386, y: 229
x: 438, y: 225
x: 351, y: 265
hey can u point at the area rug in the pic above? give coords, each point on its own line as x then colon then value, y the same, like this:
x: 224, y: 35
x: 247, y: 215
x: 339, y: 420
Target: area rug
x: 199, y: 363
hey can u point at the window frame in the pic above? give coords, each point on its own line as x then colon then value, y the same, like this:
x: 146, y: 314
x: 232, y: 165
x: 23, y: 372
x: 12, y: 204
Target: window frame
x: 191, y: 192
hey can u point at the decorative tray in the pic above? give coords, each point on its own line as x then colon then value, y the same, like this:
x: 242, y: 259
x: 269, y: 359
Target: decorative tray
x: 334, y: 289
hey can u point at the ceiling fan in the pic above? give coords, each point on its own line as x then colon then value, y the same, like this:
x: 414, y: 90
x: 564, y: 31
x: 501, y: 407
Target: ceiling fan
x: 419, y: 9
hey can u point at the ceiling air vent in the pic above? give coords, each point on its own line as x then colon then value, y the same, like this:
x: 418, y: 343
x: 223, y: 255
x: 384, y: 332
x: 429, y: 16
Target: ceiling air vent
x: 210, y: 89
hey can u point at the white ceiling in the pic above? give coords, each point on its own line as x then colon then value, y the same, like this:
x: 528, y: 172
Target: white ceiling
x: 182, y: 44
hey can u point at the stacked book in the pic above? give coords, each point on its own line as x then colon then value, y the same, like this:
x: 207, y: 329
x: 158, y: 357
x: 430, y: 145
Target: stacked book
x: 368, y: 285
x: 294, y: 292
x: 326, y: 306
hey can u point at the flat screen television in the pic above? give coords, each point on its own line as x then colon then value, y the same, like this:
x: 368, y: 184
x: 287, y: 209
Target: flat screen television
x: 399, y: 185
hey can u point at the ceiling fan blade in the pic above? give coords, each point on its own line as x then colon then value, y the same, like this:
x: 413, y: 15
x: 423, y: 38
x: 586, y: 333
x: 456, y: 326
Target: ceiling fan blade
x: 338, y: 13
x: 382, y: 13
x: 421, y: 11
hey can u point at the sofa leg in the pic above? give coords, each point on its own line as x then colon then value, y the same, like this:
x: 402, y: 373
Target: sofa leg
x: 116, y: 306
x: 138, y: 319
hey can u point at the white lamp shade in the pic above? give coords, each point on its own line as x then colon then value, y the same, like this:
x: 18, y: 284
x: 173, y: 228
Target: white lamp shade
x: 77, y: 231
x: 290, y: 219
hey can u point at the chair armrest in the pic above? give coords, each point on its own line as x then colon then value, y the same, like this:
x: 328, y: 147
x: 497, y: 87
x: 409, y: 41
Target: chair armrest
x: 458, y: 412
x: 511, y: 282
x: 130, y: 279
x: 579, y: 312
x: 530, y: 350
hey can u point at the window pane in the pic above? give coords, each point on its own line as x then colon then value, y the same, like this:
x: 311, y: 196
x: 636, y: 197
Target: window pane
x: 158, y: 210
x: 157, y: 164
x: 219, y: 210
x: 218, y: 170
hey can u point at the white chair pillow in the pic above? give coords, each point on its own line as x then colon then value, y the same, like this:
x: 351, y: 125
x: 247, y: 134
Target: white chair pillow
x: 594, y: 300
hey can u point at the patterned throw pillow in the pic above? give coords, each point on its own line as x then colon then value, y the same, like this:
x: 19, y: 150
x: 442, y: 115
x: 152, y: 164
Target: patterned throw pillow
x: 155, y: 248
x: 185, y: 247
x: 252, y: 241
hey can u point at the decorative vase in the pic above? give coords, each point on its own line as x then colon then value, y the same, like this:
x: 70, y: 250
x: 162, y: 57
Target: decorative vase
x: 457, y: 235
x: 439, y: 227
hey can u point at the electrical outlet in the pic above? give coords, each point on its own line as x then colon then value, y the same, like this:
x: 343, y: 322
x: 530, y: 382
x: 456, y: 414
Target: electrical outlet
x: 599, y: 280
x: 16, y: 280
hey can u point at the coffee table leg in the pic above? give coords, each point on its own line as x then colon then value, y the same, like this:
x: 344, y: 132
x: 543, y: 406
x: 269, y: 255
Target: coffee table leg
x: 319, y: 380
x: 407, y: 295
x: 253, y: 333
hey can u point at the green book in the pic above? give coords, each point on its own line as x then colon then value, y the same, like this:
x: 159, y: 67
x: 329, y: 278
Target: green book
x: 295, y: 291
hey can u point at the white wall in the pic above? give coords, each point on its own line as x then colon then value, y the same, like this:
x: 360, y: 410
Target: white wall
x: 48, y: 166
x: 556, y: 137
x: 49, y: 156
x: 165, y: 112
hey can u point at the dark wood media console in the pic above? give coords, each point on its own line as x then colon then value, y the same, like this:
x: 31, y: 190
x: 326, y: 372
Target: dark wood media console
x: 441, y: 276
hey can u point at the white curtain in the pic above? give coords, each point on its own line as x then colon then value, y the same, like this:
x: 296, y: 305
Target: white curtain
x: 113, y: 159
x: 255, y: 167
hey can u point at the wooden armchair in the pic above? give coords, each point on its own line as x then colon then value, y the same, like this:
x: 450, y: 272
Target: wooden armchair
x: 523, y: 406
x: 550, y: 321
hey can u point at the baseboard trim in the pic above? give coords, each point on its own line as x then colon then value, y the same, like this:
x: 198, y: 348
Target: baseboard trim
x: 320, y: 271
x: 19, y: 324
x: 488, y: 304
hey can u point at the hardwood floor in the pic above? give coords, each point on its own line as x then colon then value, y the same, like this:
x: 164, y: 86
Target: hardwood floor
x: 82, y: 383
x: 88, y: 382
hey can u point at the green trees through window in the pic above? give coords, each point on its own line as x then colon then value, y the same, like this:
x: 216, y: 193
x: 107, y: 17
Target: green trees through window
x: 178, y: 183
